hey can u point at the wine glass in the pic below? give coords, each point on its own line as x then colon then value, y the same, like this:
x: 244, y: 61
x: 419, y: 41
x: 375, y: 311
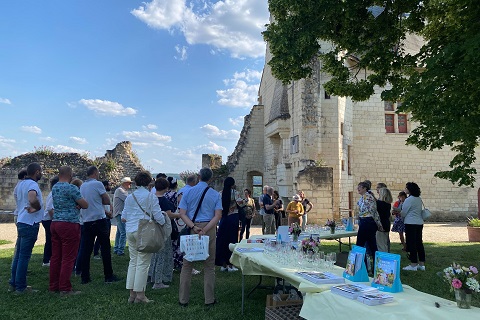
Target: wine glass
x: 333, y: 258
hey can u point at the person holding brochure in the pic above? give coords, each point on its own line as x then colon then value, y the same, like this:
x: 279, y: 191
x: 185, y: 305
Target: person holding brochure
x: 412, y: 213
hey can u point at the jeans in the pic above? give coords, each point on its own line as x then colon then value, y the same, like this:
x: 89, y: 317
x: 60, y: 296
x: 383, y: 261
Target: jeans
x: 27, y: 236
x: 120, y: 237
x: 413, y: 235
x: 65, y: 241
x: 366, y: 237
x: 96, y: 246
x: 269, y: 220
x: 101, y: 229
x: 81, y: 249
x: 47, y: 250
x: 245, y: 228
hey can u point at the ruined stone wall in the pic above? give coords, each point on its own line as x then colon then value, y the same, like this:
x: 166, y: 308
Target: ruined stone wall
x: 116, y: 164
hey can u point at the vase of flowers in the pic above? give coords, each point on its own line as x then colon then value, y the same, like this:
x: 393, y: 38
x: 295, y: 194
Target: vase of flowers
x: 310, y: 247
x: 295, y: 231
x: 463, y: 281
x: 331, y: 224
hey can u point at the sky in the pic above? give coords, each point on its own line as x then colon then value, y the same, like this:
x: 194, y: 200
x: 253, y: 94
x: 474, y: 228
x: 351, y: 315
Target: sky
x: 174, y: 77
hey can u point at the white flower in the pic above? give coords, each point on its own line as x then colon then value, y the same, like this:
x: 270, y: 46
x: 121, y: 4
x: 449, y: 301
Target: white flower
x: 473, y: 284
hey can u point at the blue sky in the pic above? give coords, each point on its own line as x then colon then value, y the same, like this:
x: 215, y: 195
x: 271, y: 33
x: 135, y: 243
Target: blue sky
x: 174, y: 77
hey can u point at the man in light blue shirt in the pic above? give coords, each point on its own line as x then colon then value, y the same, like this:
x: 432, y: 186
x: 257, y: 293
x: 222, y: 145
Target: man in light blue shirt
x: 29, y: 207
x: 205, y: 223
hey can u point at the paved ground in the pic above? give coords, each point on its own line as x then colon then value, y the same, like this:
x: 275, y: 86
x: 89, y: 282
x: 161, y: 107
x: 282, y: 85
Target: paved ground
x: 432, y: 232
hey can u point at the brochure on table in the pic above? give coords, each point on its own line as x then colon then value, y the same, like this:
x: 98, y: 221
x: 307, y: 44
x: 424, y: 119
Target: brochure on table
x: 282, y: 234
x: 386, y: 275
x: 356, y: 270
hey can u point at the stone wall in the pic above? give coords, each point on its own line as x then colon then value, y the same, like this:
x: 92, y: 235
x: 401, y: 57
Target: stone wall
x: 116, y: 164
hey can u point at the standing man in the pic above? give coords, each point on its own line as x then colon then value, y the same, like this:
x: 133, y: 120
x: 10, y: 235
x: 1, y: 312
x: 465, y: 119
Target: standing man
x: 29, y: 207
x: 95, y: 224
x: 307, y: 206
x: 22, y: 174
x: 118, y: 203
x: 269, y: 216
x: 209, y: 213
x: 262, y: 208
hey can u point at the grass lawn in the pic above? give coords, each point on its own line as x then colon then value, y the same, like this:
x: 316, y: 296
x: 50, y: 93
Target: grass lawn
x: 4, y: 242
x: 101, y: 301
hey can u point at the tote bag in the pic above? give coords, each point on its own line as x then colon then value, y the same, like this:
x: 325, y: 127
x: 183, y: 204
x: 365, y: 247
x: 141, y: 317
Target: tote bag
x: 425, y: 212
x: 194, y: 247
x: 151, y: 235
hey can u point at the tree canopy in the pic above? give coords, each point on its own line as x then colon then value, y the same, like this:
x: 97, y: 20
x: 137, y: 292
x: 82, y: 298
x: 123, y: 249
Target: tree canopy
x: 438, y: 85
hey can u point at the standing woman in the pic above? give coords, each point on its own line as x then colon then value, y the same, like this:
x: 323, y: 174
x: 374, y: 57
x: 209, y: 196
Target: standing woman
x: 228, y: 227
x: 384, y: 205
x: 278, y: 209
x: 65, y: 229
x: 307, y: 206
x: 46, y: 223
x: 171, y: 193
x: 249, y: 210
x: 295, y: 211
x: 412, y: 213
x: 131, y: 214
x: 368, y: 220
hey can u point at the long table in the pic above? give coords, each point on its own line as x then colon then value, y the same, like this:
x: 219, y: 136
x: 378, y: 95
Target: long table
x: 320, y: 302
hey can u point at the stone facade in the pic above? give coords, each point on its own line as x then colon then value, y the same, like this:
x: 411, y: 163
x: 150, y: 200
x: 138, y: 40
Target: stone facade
x: 116, y: 164
x: 325, y: 145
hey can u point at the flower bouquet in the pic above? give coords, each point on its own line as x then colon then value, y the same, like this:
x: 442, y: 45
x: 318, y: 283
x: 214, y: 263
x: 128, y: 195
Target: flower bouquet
x: 463, y: 282
x: 311, y: 245
x: 331, y: 224
x: 295, y: 231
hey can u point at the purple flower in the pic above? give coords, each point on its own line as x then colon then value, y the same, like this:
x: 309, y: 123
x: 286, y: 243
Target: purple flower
x: 473, y: 269
x: 457, y: 284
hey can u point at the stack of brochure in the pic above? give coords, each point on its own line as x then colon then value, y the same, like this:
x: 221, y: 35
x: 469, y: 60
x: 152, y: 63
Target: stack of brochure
x: 354, y: 263
x: 352, y: 291
x: 374, y: 298
x: 321, y: 277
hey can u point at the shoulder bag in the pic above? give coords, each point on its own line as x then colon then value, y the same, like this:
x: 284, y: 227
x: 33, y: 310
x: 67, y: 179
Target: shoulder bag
x: 187, y: 230
x: 150, y: 234
x: 425, y: 212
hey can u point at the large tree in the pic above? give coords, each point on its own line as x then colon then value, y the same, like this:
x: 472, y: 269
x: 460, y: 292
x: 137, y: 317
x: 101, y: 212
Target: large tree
x: 439, y: 85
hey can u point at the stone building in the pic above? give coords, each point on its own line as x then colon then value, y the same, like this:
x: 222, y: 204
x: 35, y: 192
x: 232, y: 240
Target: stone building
x: 300, y: 138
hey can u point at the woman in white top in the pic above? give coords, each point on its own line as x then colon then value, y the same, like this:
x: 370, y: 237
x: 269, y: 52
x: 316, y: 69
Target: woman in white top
x: 412, y: 213
x: 131, y: 214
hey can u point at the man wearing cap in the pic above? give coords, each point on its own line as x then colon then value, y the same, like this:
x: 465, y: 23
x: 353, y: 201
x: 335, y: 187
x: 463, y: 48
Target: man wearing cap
x: 118, y: 203
x: 295, y: 211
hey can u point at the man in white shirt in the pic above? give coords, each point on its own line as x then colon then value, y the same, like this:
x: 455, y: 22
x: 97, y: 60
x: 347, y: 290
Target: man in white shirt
x: 29, y: 207
x: 95, y: 224
x: 118, y: 204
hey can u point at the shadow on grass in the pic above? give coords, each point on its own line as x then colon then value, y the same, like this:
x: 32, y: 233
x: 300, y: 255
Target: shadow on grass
x: 108, y: 301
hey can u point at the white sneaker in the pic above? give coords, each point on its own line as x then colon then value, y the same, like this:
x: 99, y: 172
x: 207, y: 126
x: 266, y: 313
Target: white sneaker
x: 232, y: 269
x: 46, y: 264
x: 422, y: 268
x: 410, y: 268
x: 223, y: 269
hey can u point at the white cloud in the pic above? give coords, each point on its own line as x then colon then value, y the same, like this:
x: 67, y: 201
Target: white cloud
x: 238, y: 121
x: 181, y: 53
x: 150, y: 127
x: 211, y: 146
x: 232, y: 25
x: 156, y: 161
x: 61, y: 148
x: 49, y: 139
x: 78, y: 140
x: 5, y: 101
x: 107, y: 108
x: 243, y: 91
x: 214, y: 132
x: 6, y: 143
x: 145, y: 138
x: 31, y: 129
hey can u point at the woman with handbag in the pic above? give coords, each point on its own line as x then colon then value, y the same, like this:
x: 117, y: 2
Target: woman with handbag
x: 412, y: 213
x: 248, y: 205
x: 137, y: 206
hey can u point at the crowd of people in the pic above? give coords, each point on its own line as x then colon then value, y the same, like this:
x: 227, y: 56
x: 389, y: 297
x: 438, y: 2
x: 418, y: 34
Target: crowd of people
x: 374, y: 215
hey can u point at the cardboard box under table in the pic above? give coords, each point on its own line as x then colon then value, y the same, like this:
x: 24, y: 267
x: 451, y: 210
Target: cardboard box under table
x: 282, y: 310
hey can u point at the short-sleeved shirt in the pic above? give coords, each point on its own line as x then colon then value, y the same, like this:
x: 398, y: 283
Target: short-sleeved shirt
x: 119, y: 201
x: 295, y: 205
x: 305, y: 202
x: 65, y: 196
x: 92, y: 191
x: 172, y: 196
x: 21, y: 196
x: 48, y: 207
x: 166, y: 204
x: 267, y: 200
x: 210, y: 204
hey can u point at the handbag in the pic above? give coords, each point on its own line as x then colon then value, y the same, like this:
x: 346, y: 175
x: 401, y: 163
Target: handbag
x: 194, y: 247
x: 175, y: 233
x: 425, y: 212
x: 187, y: 230
x: 150, y: 234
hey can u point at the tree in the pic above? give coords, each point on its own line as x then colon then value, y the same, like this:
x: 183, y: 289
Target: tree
x: 439, y: 85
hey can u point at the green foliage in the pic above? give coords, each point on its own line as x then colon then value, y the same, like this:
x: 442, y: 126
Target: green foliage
x: 43, y: 151
x: 185, y: 174
x: 5, y: 242
x: 438, y: 85
x: 110, y: 165
x: 473, y: 222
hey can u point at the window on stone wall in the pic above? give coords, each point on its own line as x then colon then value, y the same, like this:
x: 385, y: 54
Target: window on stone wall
x: 294, y: 144
x: 349, y: 160
x: 395, y: 123
x: 327, y: 96
x: 257, y: 186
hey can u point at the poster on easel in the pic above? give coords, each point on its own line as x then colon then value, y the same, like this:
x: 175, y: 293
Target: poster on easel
x: 356, y: 270
x: 386, y: 275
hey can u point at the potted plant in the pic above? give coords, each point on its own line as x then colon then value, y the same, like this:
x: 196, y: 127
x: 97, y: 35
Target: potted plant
x: 331, y: 224
x: 473, y: 227
x: 463, y: 281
